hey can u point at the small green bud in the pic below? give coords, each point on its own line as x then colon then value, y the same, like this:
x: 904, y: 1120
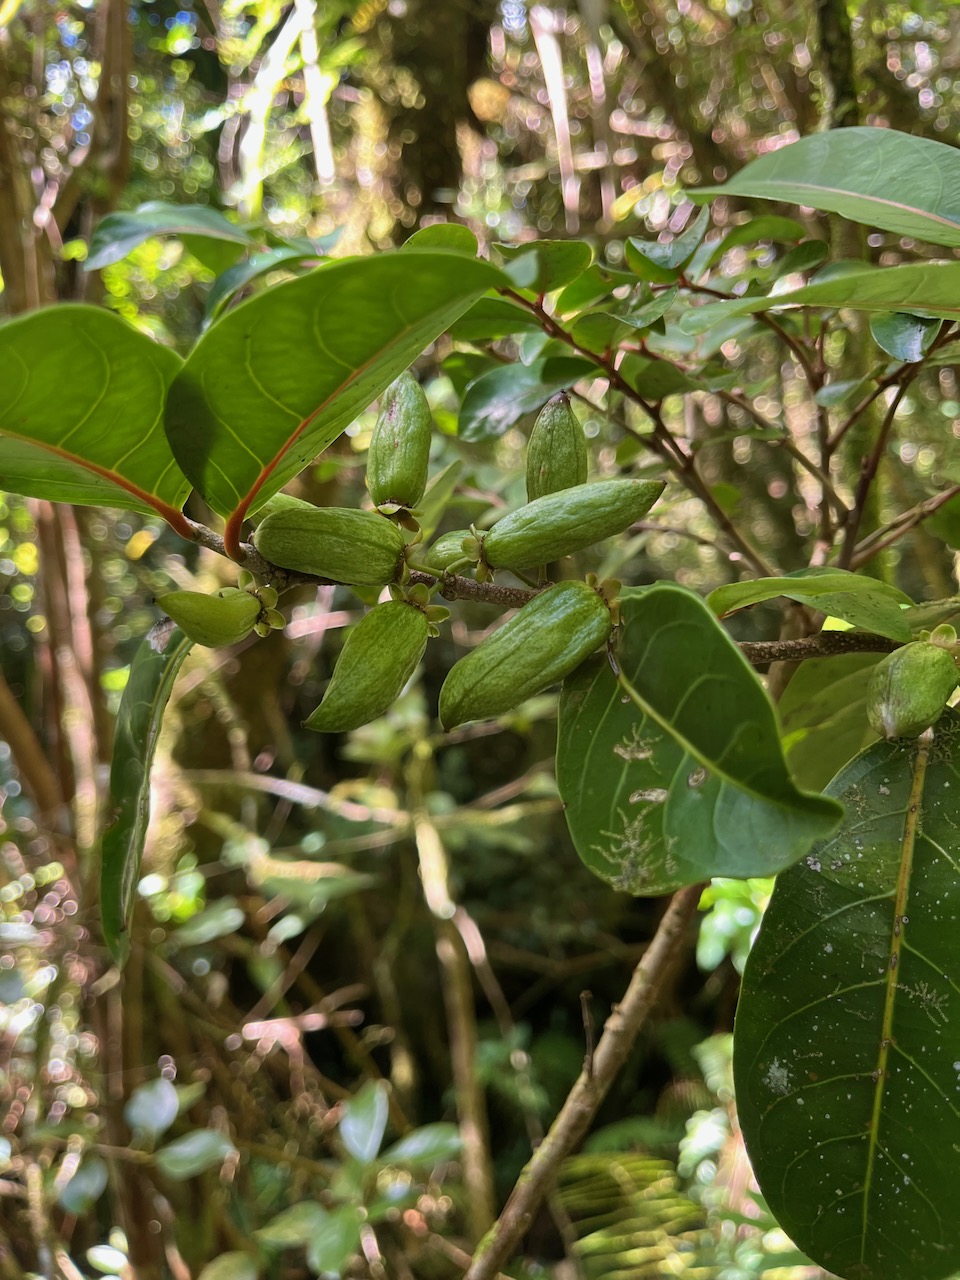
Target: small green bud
x: 909, y: 689
x: 557, y: 451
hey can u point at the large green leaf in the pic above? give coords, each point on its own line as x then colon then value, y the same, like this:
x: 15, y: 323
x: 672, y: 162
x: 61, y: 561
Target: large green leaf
x: 823, y: 716
x: 675, y: 773
x: 152, y: 673
x: 120, y: 233
x: 81, y: 403
x: 847, y: 1050
x: 861, y: 601
x: 274, y: 382
x: 896, y: 181
x: 930, y: 288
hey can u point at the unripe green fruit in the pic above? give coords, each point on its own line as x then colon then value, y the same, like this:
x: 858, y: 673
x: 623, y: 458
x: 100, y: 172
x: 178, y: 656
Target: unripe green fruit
x: 561, y: 523
x: 378, y: 657
x: 557, y: 452
x: 400, y: 448
x: 909, y: 689
x: 447, y: 549
x: 545, y: 641
x: 359, y: 548
x: 212, y: 620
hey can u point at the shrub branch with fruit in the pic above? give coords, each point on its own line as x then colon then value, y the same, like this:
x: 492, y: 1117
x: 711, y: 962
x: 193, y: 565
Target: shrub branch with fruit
x: 673, y: 761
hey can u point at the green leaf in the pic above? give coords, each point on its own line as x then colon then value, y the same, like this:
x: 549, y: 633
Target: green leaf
x: 120, y: 233
x: 847, y: 1048
x: 597, y: 282
x: 81, y: 403
x: 823, y: 716
x: 229, y: 284
x: 493, y: 318
x: 896, y: 181
x: 81, y: 1193
x: 152, y: 1107
x: 547, y: 264
x: 497, y: 399
x: 145, y: 696
x: 194, y: 1153
x: 757, y: 230
x: 903, y: 336
x: 662, y: 262
x: 430, y: 1144
x: 335, y: 1242
x: 654, y: 379
x: 364, y: 1121
x: 276, y: 380
x: 293, y: 1226
x: 933, y: 288
x: 861, y: 601
x: 802, y: 257
x: 231, y: 1266
x: 444, y: 235
x: 676, y: 775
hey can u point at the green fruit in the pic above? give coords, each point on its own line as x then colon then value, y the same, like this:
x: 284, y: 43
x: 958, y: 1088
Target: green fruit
x: 359, y: 548
x: 557, y: 452
x: 545, y: 641
x: 378, y: 657
x: 400, y: 448
x: 447, y: 549
x: 561, y: 523
x: 909, y: 689
x: 212, y: 620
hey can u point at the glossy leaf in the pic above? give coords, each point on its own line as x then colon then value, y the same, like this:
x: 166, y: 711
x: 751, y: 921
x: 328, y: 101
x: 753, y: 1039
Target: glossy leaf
x: 231, y: 1266
x: 823, y: 716
x: 152, y: 1107
x: 148, y: 688
x: 847, y: 1048
x: 429, y: 1145
x: 444, y: 235
x: 120, y: 233
x: 235, y: 278
x: 275, y: 381
x: 364, y: 1121
x: 896, y: 181
x: 81, y: 406
x: 932, y: 288
x: 903, y: 336
x: 194, y: 1153
x: 756, y: 231
x: 861, y: 601
x: 500, y: 397
x: 546, y: 264
x: 657, y: 790
x: 493, y: 318
x: 662, y: 261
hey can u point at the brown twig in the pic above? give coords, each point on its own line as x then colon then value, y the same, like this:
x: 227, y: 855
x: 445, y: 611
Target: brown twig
x: 826, y: 644
x: 583, y: 1101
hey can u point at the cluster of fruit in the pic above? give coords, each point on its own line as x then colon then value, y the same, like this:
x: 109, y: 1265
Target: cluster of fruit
x: 543, y: 642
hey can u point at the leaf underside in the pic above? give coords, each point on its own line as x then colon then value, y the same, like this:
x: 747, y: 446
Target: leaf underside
x: 274, y: 382
x: 847, y: 1047
x: 881, y: 177
x: 81, y: 407
x: 664, y: 795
